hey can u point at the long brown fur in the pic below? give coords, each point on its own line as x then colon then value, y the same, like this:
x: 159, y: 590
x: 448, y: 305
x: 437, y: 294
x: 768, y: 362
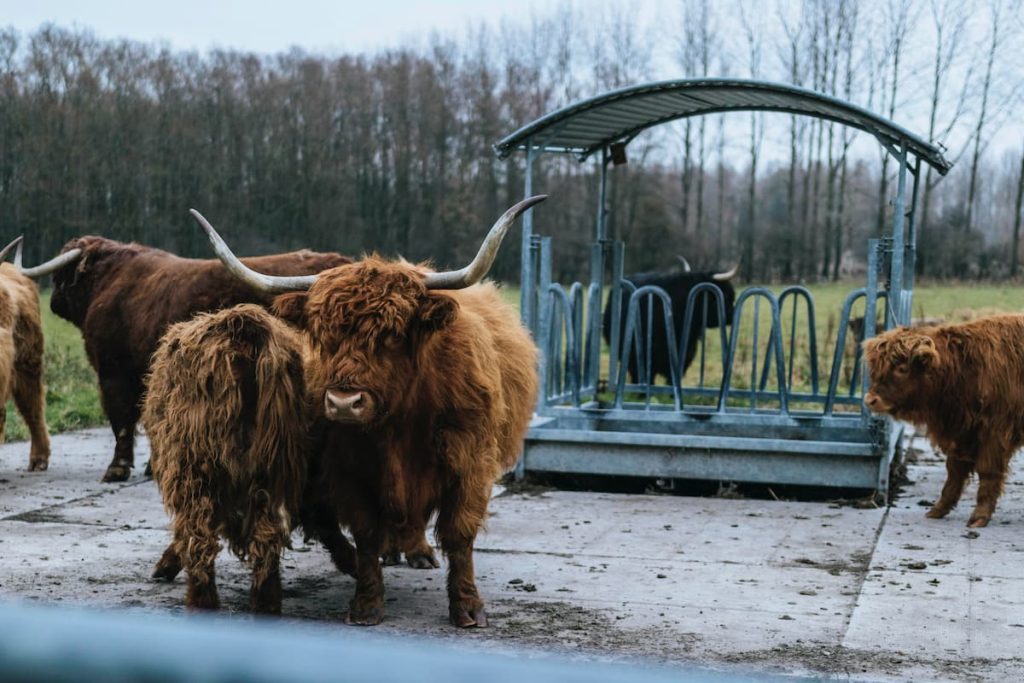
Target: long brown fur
x: 453, y: 377
x: 21, y: 361
x: 123, y: 296
x: 225, y: 415
x: 965, y: 383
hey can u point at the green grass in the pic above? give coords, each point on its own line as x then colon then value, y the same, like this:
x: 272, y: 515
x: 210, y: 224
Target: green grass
x: 72, y: 397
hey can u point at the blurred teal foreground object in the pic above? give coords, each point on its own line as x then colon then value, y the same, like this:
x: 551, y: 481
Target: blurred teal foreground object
x: 57, y: 644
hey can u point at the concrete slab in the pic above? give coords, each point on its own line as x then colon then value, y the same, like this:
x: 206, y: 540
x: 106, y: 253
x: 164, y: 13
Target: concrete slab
x: 808, y: 588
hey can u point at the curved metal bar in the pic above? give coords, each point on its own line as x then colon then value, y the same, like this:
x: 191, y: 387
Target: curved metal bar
x: 563, y: 360
x: 741, y: 301
x: 797, y: 292
x: 839, y: 353
x: 712, y: 291
x: 634, y: 333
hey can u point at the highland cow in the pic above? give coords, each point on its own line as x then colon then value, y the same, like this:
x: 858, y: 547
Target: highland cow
x: 21, y: 358
x: 425, y: 384
x: 678, y: 285
x: 123, y: 296
x: 965, y: 383
x: 228, y: 422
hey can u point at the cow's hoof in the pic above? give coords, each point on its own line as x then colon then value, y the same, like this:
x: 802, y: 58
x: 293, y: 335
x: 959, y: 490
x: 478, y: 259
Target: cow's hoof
x: 116, y: 473
x: 977, y: 521
x: 425, y: 559
x: 168, y: 567
x: 937, y: 513
x: 364, y: 615
x: 149, y: 469
x: 390, y: 558
x: 202, y: 601
x: 38, y: 463
x: 468, y: 618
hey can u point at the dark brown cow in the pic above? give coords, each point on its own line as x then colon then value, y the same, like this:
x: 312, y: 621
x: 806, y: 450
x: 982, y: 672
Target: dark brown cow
x: 123, y: 296
x: 965, y: 383
x: 425, y: 383
x: 225, y: 412
x: 21, y: 358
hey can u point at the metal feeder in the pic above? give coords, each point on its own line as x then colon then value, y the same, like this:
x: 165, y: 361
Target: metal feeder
x: 590, y: 419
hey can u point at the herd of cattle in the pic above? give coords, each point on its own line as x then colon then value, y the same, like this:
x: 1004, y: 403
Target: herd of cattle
x: 308, y: 389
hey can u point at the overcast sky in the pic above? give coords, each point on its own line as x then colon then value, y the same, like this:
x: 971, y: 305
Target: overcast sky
x: 266, y: 26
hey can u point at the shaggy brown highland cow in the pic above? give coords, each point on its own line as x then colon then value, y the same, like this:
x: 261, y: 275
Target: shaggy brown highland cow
x: 965, y: 383
x: 226, y: 416
x: 21, y: 358
x: 425, y: 384
x: 123, y: 296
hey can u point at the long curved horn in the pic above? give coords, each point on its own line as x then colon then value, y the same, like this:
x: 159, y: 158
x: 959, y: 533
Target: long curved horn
x: 478, y: 267
x: 727, y: 275
x: 53, y: 265
x: 7, y: 250
x: 270, y: 284
x: 686, y: 264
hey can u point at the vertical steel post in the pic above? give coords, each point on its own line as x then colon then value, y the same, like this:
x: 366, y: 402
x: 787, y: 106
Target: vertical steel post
x: 910, y: 262
x: 527, y: 276
x: 899, y: 240
x: 602, y: 210
x: 597, y: 269
x: 870, y: 305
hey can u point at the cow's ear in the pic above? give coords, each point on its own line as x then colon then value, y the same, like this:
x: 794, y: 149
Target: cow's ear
x: 291, y: 307
x: 924, y: 354
x: 438, y: 311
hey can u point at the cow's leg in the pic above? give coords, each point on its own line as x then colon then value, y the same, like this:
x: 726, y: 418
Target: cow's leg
x: 120, y: 397
x: 992, y: 466
x: 30, y: 399
x: 169, y: 564
x: 461, y: 515
x: 195, y: 541
x: 367, y: 605
x: 268, y: 539
x: 957, y: 471
x: 320, y: 523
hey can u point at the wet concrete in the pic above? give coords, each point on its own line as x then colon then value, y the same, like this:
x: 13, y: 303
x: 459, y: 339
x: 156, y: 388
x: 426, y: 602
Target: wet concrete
x: 812, y: 588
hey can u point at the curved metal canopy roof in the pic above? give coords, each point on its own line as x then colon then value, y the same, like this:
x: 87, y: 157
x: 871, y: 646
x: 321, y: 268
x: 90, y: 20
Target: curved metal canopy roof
x: 618, y: 116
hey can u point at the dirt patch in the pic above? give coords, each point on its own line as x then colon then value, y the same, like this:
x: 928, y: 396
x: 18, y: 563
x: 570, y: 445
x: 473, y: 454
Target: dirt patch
x: 562, y: 626
x: 822, y: 658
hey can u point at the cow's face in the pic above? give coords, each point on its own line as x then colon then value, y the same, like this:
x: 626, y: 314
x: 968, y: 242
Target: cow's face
x: 368, y: 324
x: 900, y: 362
x: 73, y: 284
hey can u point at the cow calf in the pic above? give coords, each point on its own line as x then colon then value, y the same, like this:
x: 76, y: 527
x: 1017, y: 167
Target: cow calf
x: 965, y: 383
x: 226, y: 417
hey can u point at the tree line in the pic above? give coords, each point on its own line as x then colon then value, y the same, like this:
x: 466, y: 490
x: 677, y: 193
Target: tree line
x: 391, y: 151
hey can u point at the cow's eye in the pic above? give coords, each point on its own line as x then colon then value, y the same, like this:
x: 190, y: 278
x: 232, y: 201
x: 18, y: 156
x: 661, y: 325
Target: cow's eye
x: 902, y: 369
x: 392, y: 341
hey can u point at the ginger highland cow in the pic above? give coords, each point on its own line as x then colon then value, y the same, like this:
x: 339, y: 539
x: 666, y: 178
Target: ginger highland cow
x: 424, y: 384
x: 965, y: 383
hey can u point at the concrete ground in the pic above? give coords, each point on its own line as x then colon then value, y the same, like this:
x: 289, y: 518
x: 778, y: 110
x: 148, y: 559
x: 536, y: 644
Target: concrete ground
x: 806, y: 588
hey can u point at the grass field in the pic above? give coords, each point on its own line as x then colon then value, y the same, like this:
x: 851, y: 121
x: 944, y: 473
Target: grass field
x: 72, y: 399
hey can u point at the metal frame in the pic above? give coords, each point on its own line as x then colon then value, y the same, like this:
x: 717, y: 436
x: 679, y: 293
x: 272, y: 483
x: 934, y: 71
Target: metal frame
x: 752, y: 426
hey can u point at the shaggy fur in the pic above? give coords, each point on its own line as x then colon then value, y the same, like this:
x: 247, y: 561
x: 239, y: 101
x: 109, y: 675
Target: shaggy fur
x: 451, y: 379
x: 965, y: 384
x: 21, y: 361
x: 123, y: 296
x: 225, y: 417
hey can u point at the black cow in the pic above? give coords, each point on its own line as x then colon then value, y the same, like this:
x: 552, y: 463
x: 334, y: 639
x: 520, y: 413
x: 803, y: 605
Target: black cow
x: 677, y: 284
